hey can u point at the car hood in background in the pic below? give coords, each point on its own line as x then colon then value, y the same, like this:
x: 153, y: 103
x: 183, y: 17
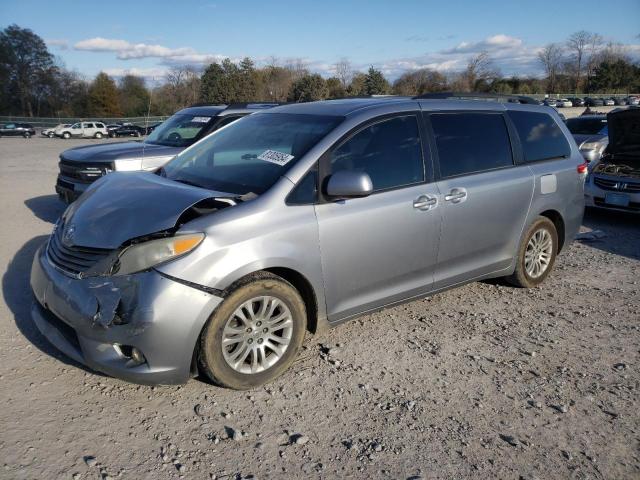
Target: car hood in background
x: 122, y: 206
x: 624, y: 131
x: 108, y: 152
x: 581, y: 138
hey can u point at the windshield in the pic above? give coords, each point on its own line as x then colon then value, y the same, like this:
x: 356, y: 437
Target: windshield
x: 180, y: 130
x: 251, y: 154
x: 586, y: 126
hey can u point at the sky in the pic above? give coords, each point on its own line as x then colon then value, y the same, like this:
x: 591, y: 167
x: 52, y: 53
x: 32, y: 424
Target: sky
x: 147, y: 37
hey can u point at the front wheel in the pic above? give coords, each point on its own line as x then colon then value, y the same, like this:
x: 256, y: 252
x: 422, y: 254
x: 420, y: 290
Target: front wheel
x: 98, y: 135
x: 27, y: 135
x: 536, y: 254
x: 66, y: 135
x: 255, y: 334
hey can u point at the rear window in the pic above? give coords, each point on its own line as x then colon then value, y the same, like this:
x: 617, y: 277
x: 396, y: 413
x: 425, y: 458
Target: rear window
x: 540, y: 136
x: 586, y: 126
x: 471, y: 142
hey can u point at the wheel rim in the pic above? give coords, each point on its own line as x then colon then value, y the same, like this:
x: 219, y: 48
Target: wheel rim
x: 257, y: 334
x: 537, y: 256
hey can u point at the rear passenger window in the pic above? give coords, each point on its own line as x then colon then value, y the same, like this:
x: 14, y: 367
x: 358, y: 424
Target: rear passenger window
x: 540, y: 136
x: 389, y: 151
x: 471, y: 142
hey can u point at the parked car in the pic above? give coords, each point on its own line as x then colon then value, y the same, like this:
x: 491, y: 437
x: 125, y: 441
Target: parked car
x: 80, y: 166
x: 614, y: 181
x: 576, y: 102
x: 84, y: 130
x: 620, y: 101
x: 25, y: 130
x: 589, y: 133
x: 127, y: 130
x: 564, y: 103
x: 550, y: 102
x: 51, y: 132
x: 302, y: 217
x: 633, y: 100
x: 609, y: 102
x: 593, y: 102
x: 147, y: 129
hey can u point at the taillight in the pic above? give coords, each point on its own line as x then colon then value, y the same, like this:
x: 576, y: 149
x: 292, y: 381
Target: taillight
x: 583, y: 168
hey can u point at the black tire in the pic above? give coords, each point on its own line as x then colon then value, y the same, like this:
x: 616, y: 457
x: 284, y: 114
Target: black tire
x: 51, y: 135
x: 520, y: 277
x: 26, y: 135
x: 210, y: 355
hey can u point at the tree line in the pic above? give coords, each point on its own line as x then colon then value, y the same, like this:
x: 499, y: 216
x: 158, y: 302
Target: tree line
x: 34, y: 83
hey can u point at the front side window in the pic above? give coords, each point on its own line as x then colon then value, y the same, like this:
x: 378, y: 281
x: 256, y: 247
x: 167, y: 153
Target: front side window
x: 180, y: 130
x: 251, y: 154
x: 540, y: 136
x: 390, y: 152
x: 471, y: 142
x: 75, y: 126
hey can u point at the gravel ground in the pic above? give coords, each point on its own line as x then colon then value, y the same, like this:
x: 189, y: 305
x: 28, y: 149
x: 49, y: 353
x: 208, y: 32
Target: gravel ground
x: 484, y: 381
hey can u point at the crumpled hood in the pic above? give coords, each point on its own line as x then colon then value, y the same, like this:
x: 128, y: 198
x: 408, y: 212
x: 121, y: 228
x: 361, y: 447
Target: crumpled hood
x: 122, y: 206
x: 108, y: 152
x: 624, y: 131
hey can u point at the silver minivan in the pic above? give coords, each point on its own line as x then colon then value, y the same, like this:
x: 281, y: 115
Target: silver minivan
x: 299, y: 218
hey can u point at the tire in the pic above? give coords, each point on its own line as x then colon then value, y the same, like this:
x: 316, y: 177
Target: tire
x: 533, y: 273
x: 98, y: 135
x: 258, y: 290
x: 51, y: 135
x: 66, y: 135
x: 27, y: 135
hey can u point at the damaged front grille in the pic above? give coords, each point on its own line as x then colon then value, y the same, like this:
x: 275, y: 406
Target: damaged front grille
x: 74, y: 260
x: 84, y: 172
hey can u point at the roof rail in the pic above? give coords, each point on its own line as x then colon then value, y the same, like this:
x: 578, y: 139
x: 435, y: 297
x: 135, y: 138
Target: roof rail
x: 207, y: 104
x: 496, y: 97
x: 254, y: 104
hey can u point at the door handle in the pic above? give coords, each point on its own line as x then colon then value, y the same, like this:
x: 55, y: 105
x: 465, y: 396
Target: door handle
x: 425, y: 202
x: 457, y: 195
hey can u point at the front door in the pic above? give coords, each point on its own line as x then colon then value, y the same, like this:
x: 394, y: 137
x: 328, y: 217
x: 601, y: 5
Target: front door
x: 380, y: 249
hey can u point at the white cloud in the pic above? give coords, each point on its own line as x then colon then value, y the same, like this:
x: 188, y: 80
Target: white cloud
x: 150, y: 73
x: 489, y: 44
x: 133, y: 51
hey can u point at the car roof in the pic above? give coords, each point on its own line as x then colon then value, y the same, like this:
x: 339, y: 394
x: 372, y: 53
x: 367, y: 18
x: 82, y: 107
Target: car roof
x: 349, y: 106
x: 588, y: 117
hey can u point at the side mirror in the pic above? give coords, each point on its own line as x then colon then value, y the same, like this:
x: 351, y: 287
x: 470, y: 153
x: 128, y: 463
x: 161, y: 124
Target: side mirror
x: 349, y: 184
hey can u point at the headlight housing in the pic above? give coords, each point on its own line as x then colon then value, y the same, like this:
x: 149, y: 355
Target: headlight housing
x: 145, y: 255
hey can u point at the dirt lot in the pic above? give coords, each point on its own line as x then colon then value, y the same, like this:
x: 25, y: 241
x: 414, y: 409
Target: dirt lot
x: 485, y: 381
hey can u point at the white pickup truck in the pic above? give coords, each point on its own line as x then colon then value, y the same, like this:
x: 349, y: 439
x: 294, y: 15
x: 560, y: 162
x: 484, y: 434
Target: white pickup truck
x: 84, y: 130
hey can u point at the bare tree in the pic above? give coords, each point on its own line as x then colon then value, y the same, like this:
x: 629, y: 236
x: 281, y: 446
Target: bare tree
x: 183, y: 83
x: 595, y: 45
x: 551, y: 59
x: 577, y: 44
x: 344, y: 71
x: 479, y: 67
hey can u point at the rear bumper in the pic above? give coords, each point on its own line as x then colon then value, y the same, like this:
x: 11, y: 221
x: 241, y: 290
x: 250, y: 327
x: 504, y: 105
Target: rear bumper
x: 89, y: 319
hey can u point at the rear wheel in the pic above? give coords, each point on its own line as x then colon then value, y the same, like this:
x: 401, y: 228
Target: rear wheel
x: 255, y: 334
x: 536, y: 254
x: 27, y: 135
x: 98, y: 135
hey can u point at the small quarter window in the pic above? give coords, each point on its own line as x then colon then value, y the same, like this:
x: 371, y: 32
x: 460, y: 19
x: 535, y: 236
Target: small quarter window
x: 540, y: 136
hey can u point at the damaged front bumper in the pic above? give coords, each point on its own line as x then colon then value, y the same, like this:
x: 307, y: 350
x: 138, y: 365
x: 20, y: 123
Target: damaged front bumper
x: 99, y: 321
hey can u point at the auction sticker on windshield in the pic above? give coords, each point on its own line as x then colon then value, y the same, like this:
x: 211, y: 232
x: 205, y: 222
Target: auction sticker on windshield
x: 273, y: 156
x: 200, y: 119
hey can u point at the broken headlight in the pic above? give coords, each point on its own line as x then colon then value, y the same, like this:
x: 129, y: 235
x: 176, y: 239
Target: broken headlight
x: 145, y: 255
